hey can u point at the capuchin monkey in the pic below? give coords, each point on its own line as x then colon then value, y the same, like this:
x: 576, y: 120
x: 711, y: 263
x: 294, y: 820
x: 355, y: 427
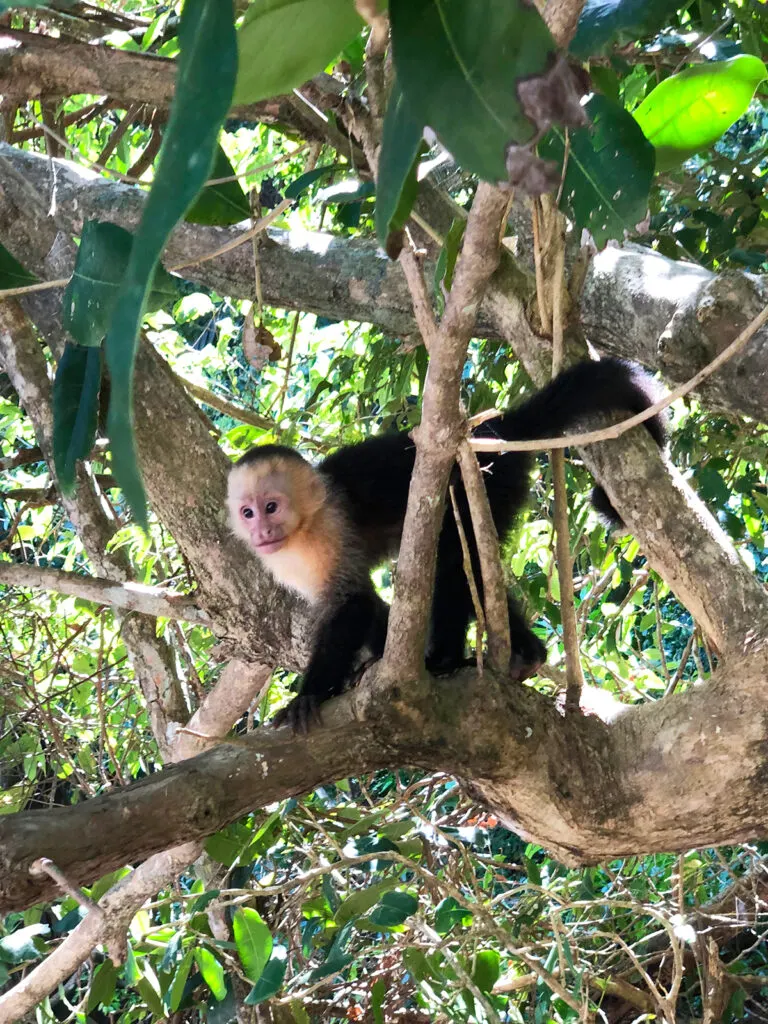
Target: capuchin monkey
x: 321, y: 529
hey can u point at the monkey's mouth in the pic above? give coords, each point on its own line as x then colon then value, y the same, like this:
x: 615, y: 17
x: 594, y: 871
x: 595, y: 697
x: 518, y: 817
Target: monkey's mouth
x: 269, y: 547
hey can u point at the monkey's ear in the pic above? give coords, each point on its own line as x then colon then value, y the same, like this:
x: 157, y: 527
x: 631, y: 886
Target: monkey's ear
x: 315, y: 491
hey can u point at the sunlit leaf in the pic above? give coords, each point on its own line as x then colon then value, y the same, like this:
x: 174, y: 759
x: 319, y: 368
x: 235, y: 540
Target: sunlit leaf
x: 212, y: 972
x: 275, y: 57
x: 486, y: 969
x: 689, y: 112
x: 253, y: 940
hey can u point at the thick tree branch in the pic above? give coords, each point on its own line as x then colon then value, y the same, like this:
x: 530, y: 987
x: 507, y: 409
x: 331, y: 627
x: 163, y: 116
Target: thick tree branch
x: 635, y: 303
x: 128, y: 596
x: 586, y: 790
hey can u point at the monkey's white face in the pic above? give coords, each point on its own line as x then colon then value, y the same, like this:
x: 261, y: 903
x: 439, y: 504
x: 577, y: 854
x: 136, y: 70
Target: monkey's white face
x: 261, y: 510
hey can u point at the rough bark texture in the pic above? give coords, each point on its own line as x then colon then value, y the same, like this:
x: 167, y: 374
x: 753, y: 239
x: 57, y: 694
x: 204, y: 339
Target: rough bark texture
x: 669, y: 316
x: 676, y: 774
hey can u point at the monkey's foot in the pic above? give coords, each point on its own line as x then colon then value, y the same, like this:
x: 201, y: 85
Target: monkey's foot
x: 442, y: 666
x: 302, y: 713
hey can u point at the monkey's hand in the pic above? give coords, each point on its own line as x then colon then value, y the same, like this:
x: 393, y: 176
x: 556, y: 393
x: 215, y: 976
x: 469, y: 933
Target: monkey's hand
x: 302, y: 713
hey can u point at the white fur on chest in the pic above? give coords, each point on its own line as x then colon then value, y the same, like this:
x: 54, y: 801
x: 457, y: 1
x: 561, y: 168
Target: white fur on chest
x: 290, y: 568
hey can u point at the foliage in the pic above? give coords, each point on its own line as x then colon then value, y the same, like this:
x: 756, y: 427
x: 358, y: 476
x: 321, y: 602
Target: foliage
x: 389, y: 897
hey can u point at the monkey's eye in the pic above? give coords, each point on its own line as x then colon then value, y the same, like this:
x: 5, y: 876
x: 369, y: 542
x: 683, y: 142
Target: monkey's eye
x: 246, y: 512
x: 270, y: 508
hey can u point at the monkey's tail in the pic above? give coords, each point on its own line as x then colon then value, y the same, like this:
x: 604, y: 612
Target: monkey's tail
x: 584, y: 391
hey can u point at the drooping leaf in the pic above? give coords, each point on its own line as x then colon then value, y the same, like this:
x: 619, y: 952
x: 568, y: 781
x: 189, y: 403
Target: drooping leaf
x: 283, y: 43
x: 222, y: 204
x: 212, y: 972
x: 102, y: 986
x: 449, y: 251
x: 253, y: 940
x: 12, y: 273
x: 689, y: 112
x: 271, y: 979
x: 396, y: 189
x: 609, y: 171
x: 200, y: 103
x: 393, y: 909
x: 606, y: 22
x: 90, y: 297
x: 487, y: 968
x: 75, y: 410
x: 459, y: 66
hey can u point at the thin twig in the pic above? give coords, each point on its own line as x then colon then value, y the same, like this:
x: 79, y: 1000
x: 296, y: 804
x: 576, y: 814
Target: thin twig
x: 467, y: 560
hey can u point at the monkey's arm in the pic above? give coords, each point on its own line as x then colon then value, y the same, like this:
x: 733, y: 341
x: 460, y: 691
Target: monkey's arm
x: 358, y: 621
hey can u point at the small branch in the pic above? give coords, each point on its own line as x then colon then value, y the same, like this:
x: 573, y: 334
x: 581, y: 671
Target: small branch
x: 562, y: 17
x: 45, y: 866
x: 131, y: 597
x: 237, y: 412
x: 467, y: 559
x: 487, y: 541
x: 609, y: 433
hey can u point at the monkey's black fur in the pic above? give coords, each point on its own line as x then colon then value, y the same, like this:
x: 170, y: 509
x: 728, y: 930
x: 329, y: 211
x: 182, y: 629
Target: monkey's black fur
x: 371, y: 480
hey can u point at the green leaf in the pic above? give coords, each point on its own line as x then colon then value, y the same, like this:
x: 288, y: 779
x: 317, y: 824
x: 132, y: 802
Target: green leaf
x: 459, y: 65
x: 212, y: 972
x: 102, y: 986
x: 270, y: 981
x: 12, y: 273
x: 283, y: 43
x: 393, y: 909
x: 449, y: 913
x: 378, y: 992
x: 300, y: 1015
x: 302, y: 183
x: 90, y: 297
x: 176, y: 991
x: 449, y: 251
x: 200, y: 103
x: 75, y: 410
x: 487, y: 969
x: 609, y: 172
x: 396, y: 189
x: 253, y: 940
x: 689, y: 112
x: 146, y: 990
x: 333, y: 965
x: 360, y: 902
x: 605, y: 22
x: 222, y: 204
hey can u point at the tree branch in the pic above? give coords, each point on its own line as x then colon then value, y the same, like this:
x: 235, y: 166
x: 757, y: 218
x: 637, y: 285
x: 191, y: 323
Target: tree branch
x: 128, y: 596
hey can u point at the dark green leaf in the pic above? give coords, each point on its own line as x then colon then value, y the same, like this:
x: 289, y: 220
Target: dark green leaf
x: 75, y: 410
x: 12, y: 273
x: 176, y: 991
x: 360, y: 902
x: 333, y: 965
x: 272, y: 978
x: 148, y: 993
x: 396, y: 189
x: 302, y: 183
x: 393, y: 909
x: 198, y: 905
x: 604, y: 22
x: 283, y: 43
x: 459, y: 65
x: 253, y: 940
x: 689, y: 112
x: 102, y: 986
x: 200, y: 103
x: 609, y: 172
x: 170, y: 955
x: 221, y: 204
x: 449, y: 251
x: 90, y: 297
x: 450, y: 913
x: 416, y: 963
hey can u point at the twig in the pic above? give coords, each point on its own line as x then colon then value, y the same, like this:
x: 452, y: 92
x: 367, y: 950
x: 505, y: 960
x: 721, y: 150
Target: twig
x: 467, y: 559
x: 237, y: 412
x: 45, y: 866
x: 241, y: 239
x: 482, y: 444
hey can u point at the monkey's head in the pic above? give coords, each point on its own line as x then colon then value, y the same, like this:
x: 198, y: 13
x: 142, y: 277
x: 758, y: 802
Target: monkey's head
x: 273, y: 494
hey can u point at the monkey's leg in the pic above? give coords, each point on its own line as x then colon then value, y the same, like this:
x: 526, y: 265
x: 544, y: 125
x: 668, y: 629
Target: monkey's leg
x: 528, y: 652
x: 452, y: 608
x: 338, y: 641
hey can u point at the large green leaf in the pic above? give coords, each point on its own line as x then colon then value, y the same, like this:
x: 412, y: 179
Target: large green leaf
x: 90, y: 297
x: 689, y: 112
x: 75, y: 410
x: 271, y: 979
x: 460, y: 63
x: 283, y: 43
x: 393, y: 909
x: 212, y: 972
x: 609, y: 172
x: 605, y: 22
x: 12, y: 273
x: 200, y: 103
x: 253, y: 940
x: 396, y: 188
x: 222, y: 204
